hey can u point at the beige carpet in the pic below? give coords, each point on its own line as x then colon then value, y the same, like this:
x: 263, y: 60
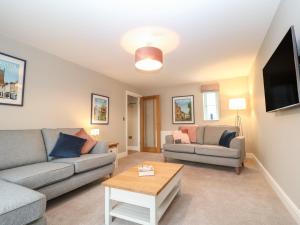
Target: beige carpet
x: 211, y: 195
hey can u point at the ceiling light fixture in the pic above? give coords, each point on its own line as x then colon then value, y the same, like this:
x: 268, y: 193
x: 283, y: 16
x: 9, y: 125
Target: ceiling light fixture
x: 148, y: 58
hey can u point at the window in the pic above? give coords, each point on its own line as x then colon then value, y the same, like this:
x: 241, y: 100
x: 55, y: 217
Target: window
x: 211, y: 105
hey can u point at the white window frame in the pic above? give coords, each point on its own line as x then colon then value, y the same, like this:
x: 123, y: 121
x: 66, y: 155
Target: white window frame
x: 204, y: 94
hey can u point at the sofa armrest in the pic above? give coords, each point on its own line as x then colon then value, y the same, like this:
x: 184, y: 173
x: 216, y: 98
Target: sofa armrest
x: 169, y: 139
x: 239, y: 143
x: 100, y: 147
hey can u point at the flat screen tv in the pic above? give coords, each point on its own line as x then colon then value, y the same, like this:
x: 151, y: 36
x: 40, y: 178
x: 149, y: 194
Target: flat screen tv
x: 281, y: 75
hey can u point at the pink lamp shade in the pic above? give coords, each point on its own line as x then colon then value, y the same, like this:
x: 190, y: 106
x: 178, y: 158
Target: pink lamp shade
x: 148, y: 58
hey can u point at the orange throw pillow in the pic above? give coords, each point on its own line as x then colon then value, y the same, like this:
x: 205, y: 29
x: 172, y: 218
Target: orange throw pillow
x: 89, y: 144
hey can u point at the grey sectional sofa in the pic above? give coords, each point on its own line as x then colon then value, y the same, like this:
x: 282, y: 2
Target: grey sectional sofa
x: 206, y: 148
x: 29, y: 177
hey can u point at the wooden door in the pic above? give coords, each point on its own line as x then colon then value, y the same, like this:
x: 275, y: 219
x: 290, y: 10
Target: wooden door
x: 150, y: 123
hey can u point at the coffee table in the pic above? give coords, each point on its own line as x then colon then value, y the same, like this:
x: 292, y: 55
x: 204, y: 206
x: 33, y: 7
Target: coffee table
x: 142, y: 200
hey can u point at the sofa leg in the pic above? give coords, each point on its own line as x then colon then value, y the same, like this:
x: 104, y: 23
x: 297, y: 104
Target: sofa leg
x: 243, y: 165
x: 237, y: 170
x: 165, y: 159
x: 110, y: 175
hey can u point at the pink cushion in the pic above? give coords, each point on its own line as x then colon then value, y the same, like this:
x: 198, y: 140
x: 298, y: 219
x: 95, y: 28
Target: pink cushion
x: 178, y: 135
x: 185, y: 139
x: 89, y: 144
x: 191, y: 131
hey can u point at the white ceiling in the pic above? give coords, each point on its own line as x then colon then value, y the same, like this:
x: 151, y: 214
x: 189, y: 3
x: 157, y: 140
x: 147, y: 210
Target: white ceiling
x: 218, y: 39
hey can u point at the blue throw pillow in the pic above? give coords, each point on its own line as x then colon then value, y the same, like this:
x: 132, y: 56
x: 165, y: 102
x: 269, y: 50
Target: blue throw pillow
x: 226, y: 138
x: 222, y: 138
x: 67, y: 146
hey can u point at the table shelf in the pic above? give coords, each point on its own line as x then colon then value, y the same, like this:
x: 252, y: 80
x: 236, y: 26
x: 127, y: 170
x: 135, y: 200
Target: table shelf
x: 133, y: 213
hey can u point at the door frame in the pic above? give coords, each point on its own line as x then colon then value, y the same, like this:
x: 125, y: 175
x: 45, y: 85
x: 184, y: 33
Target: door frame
x: 157, y: 125
x: 130, y: 93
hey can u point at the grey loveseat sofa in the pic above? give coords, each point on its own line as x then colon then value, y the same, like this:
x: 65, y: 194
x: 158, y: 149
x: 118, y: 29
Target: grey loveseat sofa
x: 29, y: 177
x: 206, y: 148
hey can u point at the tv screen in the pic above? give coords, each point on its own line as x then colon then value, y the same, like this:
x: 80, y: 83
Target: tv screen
x: 281, y: 75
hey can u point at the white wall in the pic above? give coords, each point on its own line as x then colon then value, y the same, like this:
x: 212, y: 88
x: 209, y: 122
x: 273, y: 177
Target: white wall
x: 276, y: 136
x: 57, y: 94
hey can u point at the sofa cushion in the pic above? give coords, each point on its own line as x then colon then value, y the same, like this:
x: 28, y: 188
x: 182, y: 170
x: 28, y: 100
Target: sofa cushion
x: 100, y: 147
x: 200, y: 134
x: 38, y: 175
x: 21, y: 147
x: 191, y: 131
x: 226, y: 138
x: 185, y: 148
x: 90, y: 142
x: 20, y: 205
x: 216, y: 150
x: 88, y: 161
x: 51, y: 135
x: 67, y: 146
x: 212, y: 134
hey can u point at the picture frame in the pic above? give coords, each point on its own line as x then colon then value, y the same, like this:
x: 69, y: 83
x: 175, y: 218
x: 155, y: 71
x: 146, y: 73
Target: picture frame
x: 12, y: 80
x: 183, y: 109
x: 99, y: 109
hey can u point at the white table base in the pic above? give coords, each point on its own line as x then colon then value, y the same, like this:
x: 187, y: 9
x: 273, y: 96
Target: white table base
x: 137, y: 207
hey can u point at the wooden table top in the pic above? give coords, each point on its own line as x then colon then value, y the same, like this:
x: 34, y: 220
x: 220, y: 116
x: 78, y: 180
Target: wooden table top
x: 129, y: 180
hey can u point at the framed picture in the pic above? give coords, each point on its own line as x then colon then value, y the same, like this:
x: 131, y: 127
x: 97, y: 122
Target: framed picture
x: 12, y: 80
x: 183, y: 109
x: 99, y: 109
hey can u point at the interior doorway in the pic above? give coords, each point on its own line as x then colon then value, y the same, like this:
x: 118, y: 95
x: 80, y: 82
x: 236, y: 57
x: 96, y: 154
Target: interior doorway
x: 132, y: 121
x: 150, y: 123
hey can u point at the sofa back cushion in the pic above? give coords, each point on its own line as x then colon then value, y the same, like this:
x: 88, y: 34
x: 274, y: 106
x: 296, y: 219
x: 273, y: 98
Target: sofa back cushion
x: 212, y: 134
x: 21, y: 147
x: 51, y: 136
x: 200, y: 135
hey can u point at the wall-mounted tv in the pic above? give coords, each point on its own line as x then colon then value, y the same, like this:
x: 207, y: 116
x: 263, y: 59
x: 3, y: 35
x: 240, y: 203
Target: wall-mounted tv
x: 281, y: 75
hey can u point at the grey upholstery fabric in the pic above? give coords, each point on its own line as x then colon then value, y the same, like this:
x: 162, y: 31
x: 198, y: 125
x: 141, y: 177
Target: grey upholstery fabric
x: 216, y: 150
x: 21, y: 147
x: 169, y: 139
x: 76, y: 181
x: 212, y: 134
x: 239, y: 143
x: 51, y: 135
x: 41, y: 221
x: 200, y: 134
x: 89, y: 161
x: 20, y: 205
x: 209, y: 151
x: 186, y: 148
x: 100, y: 147
x: 38, y: 175
x: 232, y: 162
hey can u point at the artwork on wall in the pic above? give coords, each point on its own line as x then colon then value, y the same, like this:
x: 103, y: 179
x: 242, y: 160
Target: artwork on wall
x: 99, y: 109
x: 12, y: 80
x: 183, y: 109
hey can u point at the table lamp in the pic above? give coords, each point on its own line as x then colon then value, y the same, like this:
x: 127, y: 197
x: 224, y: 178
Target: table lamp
x: 238, y: 104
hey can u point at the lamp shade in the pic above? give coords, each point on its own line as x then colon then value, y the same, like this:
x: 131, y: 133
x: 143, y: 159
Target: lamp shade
x: 148, y: 58
x: 237, y: 103
x: 95, y: 132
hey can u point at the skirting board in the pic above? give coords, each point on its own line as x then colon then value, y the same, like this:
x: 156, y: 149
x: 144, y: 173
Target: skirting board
x: 288, y: 203
x: 134, y: 148
x: 122, y: 155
